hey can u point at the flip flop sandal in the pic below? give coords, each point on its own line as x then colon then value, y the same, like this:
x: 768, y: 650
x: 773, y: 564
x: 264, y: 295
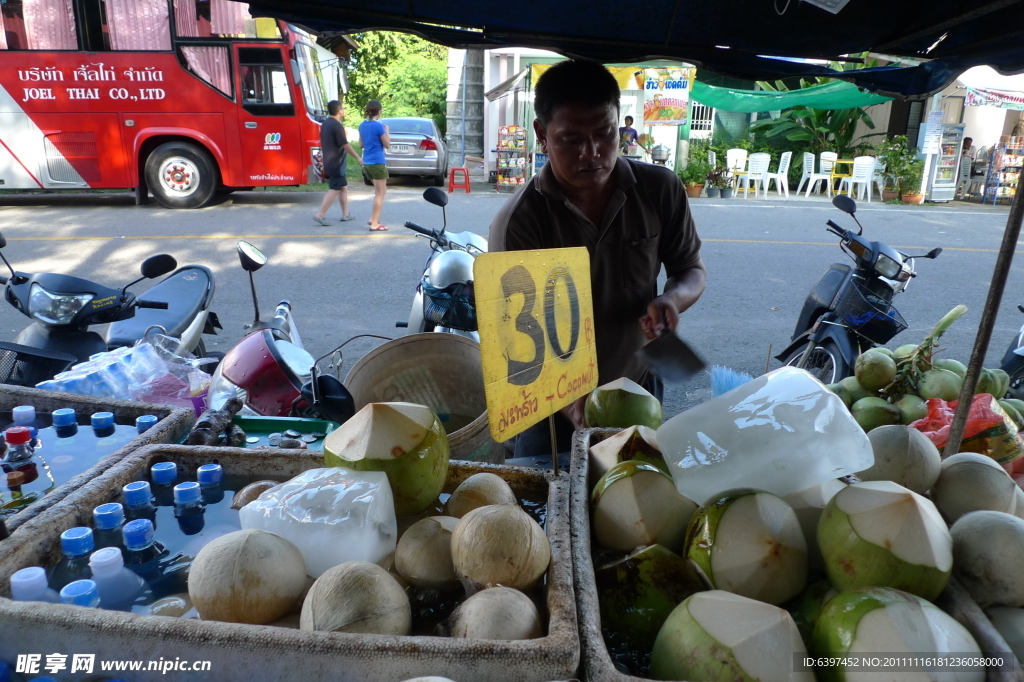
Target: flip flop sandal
x: 321, y: 221
x: 346, y: 218
x: 379, y: 228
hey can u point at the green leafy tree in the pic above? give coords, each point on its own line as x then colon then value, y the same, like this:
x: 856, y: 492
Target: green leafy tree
x: 416, y: 86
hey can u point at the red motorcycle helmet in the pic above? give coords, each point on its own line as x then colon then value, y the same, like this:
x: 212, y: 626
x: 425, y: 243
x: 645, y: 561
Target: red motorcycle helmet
x: 266, y: 373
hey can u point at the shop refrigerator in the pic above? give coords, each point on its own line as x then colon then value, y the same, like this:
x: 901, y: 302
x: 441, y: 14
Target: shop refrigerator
x: 946, y: 164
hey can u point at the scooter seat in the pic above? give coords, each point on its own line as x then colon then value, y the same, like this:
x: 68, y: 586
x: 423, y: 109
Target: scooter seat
x: 186, y: 291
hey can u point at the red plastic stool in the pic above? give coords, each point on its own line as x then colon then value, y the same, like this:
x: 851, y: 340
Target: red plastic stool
x: 452, y: 185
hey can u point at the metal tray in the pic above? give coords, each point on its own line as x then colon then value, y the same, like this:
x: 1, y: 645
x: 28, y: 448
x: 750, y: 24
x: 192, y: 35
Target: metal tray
x: 261, y: 427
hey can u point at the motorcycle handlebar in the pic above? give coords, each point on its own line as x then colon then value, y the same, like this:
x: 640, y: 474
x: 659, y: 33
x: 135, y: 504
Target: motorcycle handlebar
x: 416, y: 228
x: 161, y: 305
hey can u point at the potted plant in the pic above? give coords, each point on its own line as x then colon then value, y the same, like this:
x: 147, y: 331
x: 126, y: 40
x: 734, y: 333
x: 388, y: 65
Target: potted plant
x: 694, y: 176
x: 898, y: 157
x: 910, y: 183
x: 717, y: 178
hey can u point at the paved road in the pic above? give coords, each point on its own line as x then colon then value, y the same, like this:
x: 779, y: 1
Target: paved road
x: 762, y: 258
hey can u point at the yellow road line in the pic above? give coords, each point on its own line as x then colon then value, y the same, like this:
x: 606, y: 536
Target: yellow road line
x: 895, y: 246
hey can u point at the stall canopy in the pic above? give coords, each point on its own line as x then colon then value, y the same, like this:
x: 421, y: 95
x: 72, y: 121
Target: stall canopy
x: 731, y: 38
x: 835, y: 95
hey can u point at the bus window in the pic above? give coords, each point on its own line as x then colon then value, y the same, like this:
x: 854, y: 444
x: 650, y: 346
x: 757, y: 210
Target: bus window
x: 314, y: 89
x: 37, y: 25
x: 220, y: 19
x: 210, y: 64
x: 137, y: 24
x: 265, y: 90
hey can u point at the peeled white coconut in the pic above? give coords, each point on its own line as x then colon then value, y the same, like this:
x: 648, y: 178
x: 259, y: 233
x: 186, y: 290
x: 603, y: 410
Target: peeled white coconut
x: 620, y: 404
x: 424, y: 553
x: 972, y: 482
x: 749, y: 542
x: 249, y: 576
x: 879, y: 621
x: 432, y: 678
x: 1018, y: 507
x: 499, y: 545
x: 903, y: 455
x: 1010, y: 624
x: 405, y: 441
x: 496, y: 613
x: 808, y: 505
x: 357, y: 597
x: 637, y: 504
x: 880, y: 534
x: 717, y: 635
x: 636, y: 442
x: 479, y: 490
x: 988, y: 552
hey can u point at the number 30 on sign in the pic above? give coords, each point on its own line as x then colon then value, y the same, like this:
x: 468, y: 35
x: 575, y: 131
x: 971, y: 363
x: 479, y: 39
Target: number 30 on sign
x: 536, y: 322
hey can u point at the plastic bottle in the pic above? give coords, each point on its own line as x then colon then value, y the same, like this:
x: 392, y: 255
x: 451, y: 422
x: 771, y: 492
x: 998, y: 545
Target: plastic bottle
x: 65, y: 422
x: 29, y: 584
x: 210, y: 477
x: 63, y: 449
x: 145, y: 422
x: 107, y: 520
x: 28, y: 475
x: 189, y: 508
x: 76, y: 544
x: 103, y: 424
x: 25, y: 415
x: 144, y: 552
x: 163, y: 475
x: 118, y: 586
x: 138, y: 502
x: 81, y: 593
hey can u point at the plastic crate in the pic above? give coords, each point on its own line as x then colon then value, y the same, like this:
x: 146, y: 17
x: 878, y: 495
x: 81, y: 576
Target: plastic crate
x: 868, y: 314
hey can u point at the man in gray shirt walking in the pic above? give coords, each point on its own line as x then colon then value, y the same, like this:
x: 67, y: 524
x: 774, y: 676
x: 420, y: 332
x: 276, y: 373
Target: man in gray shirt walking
x: 334, y: 145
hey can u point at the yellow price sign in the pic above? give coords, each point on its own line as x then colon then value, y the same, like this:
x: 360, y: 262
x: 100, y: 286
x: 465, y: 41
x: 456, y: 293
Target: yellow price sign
x: 536, y: 321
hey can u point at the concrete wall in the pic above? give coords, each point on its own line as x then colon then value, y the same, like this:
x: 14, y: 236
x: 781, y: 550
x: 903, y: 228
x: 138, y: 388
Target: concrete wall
x: 465, y: 105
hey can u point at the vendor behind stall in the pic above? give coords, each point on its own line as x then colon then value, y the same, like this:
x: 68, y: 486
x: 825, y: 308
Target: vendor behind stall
x: 627, y: 136
x: 633, y: 218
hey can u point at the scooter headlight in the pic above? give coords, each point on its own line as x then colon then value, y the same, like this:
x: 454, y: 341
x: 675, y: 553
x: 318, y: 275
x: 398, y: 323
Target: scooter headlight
x: 887, y: 267
x: 51, y: 308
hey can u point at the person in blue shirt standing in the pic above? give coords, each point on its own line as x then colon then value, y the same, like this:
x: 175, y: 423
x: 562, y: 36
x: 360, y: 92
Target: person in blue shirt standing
x: 374, y: 138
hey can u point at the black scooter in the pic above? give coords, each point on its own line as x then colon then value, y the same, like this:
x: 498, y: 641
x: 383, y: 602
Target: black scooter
x: 850, y: 309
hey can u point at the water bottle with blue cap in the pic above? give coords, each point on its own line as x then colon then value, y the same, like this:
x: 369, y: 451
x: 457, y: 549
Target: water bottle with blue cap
x: 145, y: 422
x: 76, y: 544
x: 81, y: 593
x: 144, y: 552
x: 64, y: 446
x: 107, y: 520
x: 29, y: 584
x: 163, y: 475
x: 65, y: 422
x: 103, y: 424
x: 138, y: 502
x: 189, y: 508
x: 210, y: 477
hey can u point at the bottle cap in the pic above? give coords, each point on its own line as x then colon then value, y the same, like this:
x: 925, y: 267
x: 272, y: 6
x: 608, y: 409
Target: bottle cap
x: 137, y: 494
x: 76, y: 541
x: 28, y: 582
x: 24, y: 415
x: 81, y: 593
x: 146, y: 422
x: 164, y: 472
x: 187, y: 493
x: 106, y: 560
x: 108, y: 516
x: 15, y: 478
x: 103, y: 420
x: 210, y: 474
x: 17, y: 435
x: 65, y: 416
x: 138, y: 533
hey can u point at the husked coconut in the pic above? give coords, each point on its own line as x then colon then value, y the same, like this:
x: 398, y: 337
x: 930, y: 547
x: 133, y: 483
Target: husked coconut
x: 251, y: 492
x: 432, y: 678
x: 1009, y: 622
x: 620, y: 404
x: 750, y: 543
x: 496, y: 613
x: 808, y: 505
x: 357, y: 597
x: 249, y: 576
x: 479, y: 490
x: 717, y: 636
x: 971, y: 482
x: 903, y: 455
x: 988, y: 553
x: 424, y: 553
x: 499, y: 545
x: 1018, y: 507
x: 637, y: 442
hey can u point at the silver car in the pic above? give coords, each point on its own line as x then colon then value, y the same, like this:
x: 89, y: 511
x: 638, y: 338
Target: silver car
x: 417, y: 148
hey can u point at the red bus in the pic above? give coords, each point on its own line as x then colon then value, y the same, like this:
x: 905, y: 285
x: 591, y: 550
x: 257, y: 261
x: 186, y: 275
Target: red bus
x: 177, y: 98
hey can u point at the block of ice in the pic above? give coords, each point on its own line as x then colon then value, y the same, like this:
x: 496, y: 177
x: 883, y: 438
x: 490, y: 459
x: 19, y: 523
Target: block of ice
x: 781, y: 432
x: 332, y: 515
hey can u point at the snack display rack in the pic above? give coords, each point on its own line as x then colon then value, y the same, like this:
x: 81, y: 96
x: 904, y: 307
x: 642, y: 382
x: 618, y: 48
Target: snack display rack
x: 1004, y: 169
x: 511, y: 162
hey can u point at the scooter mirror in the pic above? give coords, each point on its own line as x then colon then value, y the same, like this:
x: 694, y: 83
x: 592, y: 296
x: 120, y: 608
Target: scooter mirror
x: 844, y: 204
x: 158, y: 265
x: 3, y: 241
x: 934, y: 253
x: 435, y: 196
x: 252, y: 258
x: 332, y: 400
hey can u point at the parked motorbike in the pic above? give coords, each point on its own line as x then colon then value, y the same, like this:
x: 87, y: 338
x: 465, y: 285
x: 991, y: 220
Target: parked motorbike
x: 62, y: 309
x: 1013, y: 363
x: 850, y: 309
x: 271, y: 371
x: 443, y: 301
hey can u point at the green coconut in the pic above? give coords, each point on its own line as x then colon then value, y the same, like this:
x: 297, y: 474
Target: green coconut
x: 807, y: 606
x: 638, y: 592
x: 874, y: 370
x: 873, y: 412
x: 750, y: 543
x: 988, y: 382
x: 954, y: 366
x: 1013, y: 413
x: 904, y: 351
x: 637, y: 504
x: 878, y: 533
x: 883, y: 350
x: 717, y: 636
x: 905, y: 456
x: 1003, y: 380
x: 843, y: 392
x: 403, y: 440
x: 939, y: 383
x: 635, y: 443
x: 911, y: 408
x: 876, y: 621
x: 1016, y: 404
x: 857, y: 391
x: 621, y: 404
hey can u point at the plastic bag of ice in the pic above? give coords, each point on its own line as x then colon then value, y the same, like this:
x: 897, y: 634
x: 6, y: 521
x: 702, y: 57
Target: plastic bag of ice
x: 332, y: 515
x: 781, y: 432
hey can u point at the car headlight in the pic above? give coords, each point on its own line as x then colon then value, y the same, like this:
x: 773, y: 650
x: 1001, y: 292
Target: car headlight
x: 46, y: 306
x: 887, y: 267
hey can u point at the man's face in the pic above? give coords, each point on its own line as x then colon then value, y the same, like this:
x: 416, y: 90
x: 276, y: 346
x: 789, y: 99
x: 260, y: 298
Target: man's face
x: 581, y: 143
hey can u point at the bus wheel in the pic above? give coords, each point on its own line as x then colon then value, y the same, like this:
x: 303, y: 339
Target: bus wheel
x: 181, y: 175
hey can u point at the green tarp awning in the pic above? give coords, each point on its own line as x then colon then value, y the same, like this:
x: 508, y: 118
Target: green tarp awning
x: 835, y: 95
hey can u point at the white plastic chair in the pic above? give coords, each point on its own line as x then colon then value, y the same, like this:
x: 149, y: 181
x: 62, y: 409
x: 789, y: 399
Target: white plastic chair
x: 826, y: 160
x: 863, y: 170
x: 757, y: 173
x: 712, y: 159
x: 808, y: 171
x: 736, y: 161
x: 780, y: 176
x: 878, y: 177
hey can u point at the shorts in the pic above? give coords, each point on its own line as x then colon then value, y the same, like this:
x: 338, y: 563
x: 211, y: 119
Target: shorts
x: 336, y: 182
x: 376, y: 171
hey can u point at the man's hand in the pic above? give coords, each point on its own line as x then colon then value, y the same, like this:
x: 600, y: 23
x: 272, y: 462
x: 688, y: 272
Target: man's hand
x: 574, y: 412
x: 661, y: 313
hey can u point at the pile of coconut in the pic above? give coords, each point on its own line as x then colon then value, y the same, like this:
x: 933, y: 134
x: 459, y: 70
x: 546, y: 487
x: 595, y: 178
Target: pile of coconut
x: 732, y: 587
x: 468, y: 566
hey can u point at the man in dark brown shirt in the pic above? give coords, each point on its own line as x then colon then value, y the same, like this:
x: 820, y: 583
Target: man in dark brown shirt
x: 632, y: 218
